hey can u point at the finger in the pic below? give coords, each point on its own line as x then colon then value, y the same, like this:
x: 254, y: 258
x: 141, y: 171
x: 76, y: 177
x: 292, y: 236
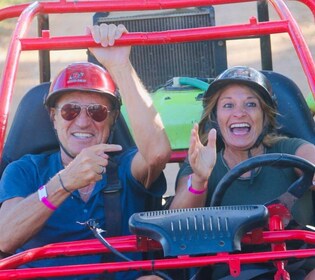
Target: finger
x: 103, y: 156
x: 193, y: 132
x: 102, y: 160
x: 106, y: 148
x: 102, y: 170
x: 112, y: 148
x: 112, y: 29
x: 104, y: 28
x: 192, y: 144
x: 96, y: 178
x: 196, y: 128
x: 212, y: 138
x: 191, y: 159
x: 194, y: 155
x: 95, y: 32
x: 121, y: 29
x: 193, y: 152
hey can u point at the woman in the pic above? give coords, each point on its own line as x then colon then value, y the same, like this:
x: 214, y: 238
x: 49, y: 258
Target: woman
x: 239, y: 122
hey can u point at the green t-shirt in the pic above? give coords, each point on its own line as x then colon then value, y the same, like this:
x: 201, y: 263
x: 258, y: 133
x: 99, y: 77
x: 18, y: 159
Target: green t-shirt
x: 267, y: 183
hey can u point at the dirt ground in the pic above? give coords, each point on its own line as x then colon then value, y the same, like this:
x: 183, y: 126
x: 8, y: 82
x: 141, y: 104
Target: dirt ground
x: 284, y: 57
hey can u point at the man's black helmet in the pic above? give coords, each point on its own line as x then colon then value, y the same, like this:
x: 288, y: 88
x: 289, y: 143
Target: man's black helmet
x: 243, y: 75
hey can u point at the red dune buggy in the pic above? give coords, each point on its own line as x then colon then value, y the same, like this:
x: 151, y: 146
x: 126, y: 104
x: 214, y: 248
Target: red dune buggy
x: 181, y: 42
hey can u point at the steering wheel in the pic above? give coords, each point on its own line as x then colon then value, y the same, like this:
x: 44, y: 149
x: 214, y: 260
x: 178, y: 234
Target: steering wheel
x: 297, y: 188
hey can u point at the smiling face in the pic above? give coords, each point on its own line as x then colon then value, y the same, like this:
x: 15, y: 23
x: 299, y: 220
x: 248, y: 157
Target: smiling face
x: 82, y: 131
x: 240, y: 116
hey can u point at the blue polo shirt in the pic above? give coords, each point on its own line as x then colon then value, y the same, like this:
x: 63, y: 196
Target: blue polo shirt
x: 23, y: 177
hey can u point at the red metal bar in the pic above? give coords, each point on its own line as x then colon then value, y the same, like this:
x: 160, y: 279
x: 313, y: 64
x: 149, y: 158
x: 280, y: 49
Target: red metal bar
x: 276, y: 223
x: 111, y: 6
x: 75, y: 248
x: 160, y: 264
x: 280, y: 236
x: 310, y: 4
x: 163, y: 37
x: 178, y: 156
x: 132, y: 244
x: 11, y: 66
x: 298, y: 41
x: 85, y: 247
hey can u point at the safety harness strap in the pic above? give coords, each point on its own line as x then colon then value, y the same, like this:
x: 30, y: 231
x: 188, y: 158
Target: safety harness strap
x: 112, y: 201
x: 113, y: 210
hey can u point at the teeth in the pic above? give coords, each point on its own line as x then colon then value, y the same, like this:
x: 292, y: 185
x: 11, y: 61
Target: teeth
x: 240, y: 125
x: 82, y: 135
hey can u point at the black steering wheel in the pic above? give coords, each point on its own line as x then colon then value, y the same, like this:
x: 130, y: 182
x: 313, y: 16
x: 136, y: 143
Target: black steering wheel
x: 297, y: 188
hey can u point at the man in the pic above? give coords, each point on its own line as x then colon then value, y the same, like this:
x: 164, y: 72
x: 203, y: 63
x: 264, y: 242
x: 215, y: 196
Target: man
x: 44, y: 196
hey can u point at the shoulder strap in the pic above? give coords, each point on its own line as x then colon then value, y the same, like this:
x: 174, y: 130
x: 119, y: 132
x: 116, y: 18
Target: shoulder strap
x: 113, y: 211
x: 112, y: 200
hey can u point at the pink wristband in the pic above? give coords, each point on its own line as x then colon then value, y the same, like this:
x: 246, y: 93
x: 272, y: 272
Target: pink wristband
x: 42, y: 196
x: 191, y: 189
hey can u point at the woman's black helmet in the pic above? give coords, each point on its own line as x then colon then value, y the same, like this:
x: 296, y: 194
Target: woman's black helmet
x: 243, y: 75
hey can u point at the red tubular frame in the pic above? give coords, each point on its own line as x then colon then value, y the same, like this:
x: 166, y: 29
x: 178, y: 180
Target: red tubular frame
x: 19, y: 43
x: 131, y: 244
x: 64, y: 6
x: 163, y: 37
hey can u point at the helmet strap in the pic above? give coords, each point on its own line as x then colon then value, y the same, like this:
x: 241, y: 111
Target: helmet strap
x: 260, y: 137
x: 214, y: 121
x: 214, y: 124
x: 65, y: 151
x: 62, y: 147
x: 253, y: 171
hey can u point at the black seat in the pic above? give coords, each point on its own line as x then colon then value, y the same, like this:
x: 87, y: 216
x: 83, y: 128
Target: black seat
x: 295, y: 118
x: 32, y: 132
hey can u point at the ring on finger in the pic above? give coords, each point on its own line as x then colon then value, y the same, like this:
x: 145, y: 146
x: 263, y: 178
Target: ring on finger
x: 103, y: 171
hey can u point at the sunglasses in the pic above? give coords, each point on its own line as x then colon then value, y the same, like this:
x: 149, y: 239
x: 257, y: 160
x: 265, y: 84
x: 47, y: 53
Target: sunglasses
x: 96, y: 112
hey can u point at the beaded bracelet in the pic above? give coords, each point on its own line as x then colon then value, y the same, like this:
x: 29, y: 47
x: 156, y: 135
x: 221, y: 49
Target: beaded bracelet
x: 191, y: 189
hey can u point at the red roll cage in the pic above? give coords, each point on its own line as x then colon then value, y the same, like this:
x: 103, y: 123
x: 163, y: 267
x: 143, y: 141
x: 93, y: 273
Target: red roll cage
x: 20, y: 42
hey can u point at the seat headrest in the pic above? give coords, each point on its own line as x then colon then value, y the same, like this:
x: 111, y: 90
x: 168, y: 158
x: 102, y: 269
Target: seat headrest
x: 295, y: 118
x: 31, y: 130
